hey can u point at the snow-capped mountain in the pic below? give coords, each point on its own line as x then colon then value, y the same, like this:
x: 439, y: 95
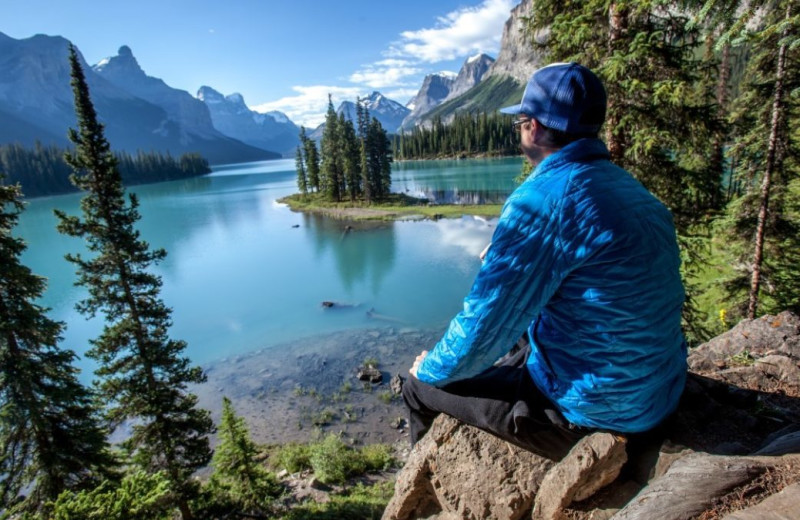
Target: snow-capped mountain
x: 36, y: 104
x: 434, y: 90
x: 390, y: 113
x: 231, y: 116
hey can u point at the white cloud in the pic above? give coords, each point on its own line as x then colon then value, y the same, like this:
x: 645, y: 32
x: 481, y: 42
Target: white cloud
x: 380, y: 76
x: 463, y: 32
x: 308, y: 107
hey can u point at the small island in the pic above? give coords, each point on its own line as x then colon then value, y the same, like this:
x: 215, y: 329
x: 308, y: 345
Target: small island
x: 352, y: 181
x: 394, y: 206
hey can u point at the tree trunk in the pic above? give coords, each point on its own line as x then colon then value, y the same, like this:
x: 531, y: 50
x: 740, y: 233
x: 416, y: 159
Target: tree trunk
x: 766, y: 183
x: 617, y: 23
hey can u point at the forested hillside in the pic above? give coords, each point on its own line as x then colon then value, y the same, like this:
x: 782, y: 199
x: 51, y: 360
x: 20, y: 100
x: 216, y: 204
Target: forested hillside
x: 42, y: 170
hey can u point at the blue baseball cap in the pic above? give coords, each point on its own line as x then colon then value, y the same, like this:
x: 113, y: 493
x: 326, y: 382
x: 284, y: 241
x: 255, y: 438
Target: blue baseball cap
x: 566, y: 97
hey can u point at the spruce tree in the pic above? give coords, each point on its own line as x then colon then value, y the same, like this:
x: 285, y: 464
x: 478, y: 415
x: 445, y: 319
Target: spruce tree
x: 351, y: 155
x: 241, y: 480
x: 143, y: 373
x: 362, y: 118
x: 765, y: 222
x: 311, y: 156
x: 302, y: 182
x: 50, y: 434
x: 332, y: 170
x: 379, y: 160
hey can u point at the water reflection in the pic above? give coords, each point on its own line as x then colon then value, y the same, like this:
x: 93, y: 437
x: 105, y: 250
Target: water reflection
x: 357, y: 260
x: 477, y: 181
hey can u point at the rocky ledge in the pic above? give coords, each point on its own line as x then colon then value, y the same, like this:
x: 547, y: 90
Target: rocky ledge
x: 731, y: 451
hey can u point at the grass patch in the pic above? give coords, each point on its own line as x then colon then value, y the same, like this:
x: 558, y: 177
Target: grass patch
x: 357, y: 503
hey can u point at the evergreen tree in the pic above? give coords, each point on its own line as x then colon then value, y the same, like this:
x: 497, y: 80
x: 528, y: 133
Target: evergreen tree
x: 302, y: 183
x: 332, y: 171
x: 243, y: 483
x: 143, y: 373
x: 50, y: 434
x: 311, y: 156
x: 351, y: 154
x: 362, y: 118
x: 379, y: 160
x: 765, y: 151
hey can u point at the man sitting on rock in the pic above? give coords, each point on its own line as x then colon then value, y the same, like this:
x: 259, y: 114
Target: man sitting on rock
x: 584, y: 266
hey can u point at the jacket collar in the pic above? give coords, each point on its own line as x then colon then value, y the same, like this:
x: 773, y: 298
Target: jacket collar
x: 582, y: 150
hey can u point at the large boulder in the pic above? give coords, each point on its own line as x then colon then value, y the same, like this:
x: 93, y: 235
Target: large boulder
x: 731, y: 450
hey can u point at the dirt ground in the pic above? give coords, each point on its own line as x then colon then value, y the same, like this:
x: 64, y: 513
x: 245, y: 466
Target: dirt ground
x: 293, y: 392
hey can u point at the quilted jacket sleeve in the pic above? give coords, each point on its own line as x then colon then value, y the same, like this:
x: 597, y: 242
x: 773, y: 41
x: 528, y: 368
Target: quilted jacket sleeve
x: 521, y: 272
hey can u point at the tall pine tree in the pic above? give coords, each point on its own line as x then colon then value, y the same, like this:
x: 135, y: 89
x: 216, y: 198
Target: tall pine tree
x: 143, y: 373
x: 50, y: 434
x: 765, y: 221
x: 332, y: 170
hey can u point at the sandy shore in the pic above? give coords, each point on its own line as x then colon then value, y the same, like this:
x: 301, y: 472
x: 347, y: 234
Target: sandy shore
x: 291, y: 392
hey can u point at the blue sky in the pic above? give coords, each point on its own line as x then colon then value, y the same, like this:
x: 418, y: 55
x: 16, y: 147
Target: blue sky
x: 280, y: 55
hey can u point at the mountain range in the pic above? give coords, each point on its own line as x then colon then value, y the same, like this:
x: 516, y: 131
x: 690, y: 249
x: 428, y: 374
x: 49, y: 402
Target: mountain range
x: 141, y: 112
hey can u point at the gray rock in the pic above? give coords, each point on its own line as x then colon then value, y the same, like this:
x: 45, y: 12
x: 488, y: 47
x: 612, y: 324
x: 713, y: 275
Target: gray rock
x: 369, y: 373
x: 461, y: 472
x: 396, y: 384
x: 592, y: 464
x: 780, y: 506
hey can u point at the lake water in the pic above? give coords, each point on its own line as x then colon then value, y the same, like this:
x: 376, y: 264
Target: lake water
x: 243, y: 272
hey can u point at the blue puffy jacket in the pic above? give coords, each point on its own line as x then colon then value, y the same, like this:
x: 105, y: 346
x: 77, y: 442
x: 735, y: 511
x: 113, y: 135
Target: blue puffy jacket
x: 587, y: 260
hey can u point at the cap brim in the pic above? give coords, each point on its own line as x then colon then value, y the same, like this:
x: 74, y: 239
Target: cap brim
x: 515, y: 109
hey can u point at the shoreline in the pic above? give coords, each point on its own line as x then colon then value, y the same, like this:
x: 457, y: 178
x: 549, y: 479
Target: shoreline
x: 292, y: 392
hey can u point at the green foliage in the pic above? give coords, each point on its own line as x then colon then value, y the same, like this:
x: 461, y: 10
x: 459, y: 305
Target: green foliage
x: 386, y: 397
x: 43, y: 171
x: 356, y: 163
x: 372, y: 362
x: 139, y: 496
x: 51, y: 439
x: 377, y: 457
x: 143, y: 376
x: 333, y: 461
x: 239, y: 481
x: 467, y: 134
x: 293, y: 457
x: 356, y: 503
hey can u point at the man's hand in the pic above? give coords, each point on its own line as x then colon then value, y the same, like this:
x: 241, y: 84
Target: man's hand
x: 415, y: 366
x: 482, y: 256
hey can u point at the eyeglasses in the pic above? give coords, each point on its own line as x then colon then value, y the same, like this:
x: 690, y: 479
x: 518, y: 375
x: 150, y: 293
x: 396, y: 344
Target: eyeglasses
x: 517, y: 123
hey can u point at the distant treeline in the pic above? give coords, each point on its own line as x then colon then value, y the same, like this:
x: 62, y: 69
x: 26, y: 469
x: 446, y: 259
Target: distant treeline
x: 468, y: 134
x: 42, y: 170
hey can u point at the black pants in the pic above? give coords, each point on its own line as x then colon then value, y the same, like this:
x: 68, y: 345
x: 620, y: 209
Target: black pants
x: 503, y: 401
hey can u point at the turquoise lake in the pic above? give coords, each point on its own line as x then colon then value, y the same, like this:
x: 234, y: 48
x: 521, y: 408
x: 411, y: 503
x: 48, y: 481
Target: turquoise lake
x: 244, y: 272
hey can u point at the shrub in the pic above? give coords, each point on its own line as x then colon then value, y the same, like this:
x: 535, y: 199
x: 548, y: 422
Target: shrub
x: 293, y: 457
x: 333, y: 461
x: 377, y: 457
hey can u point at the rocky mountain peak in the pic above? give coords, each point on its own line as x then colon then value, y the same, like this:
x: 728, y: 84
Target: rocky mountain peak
x: 209, y: 95
x: 471, y: 73
x: 124, y: 63
x: 517, y: 58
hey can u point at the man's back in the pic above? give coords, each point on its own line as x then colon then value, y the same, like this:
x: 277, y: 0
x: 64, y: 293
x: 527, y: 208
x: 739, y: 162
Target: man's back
x: 607, y: 347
